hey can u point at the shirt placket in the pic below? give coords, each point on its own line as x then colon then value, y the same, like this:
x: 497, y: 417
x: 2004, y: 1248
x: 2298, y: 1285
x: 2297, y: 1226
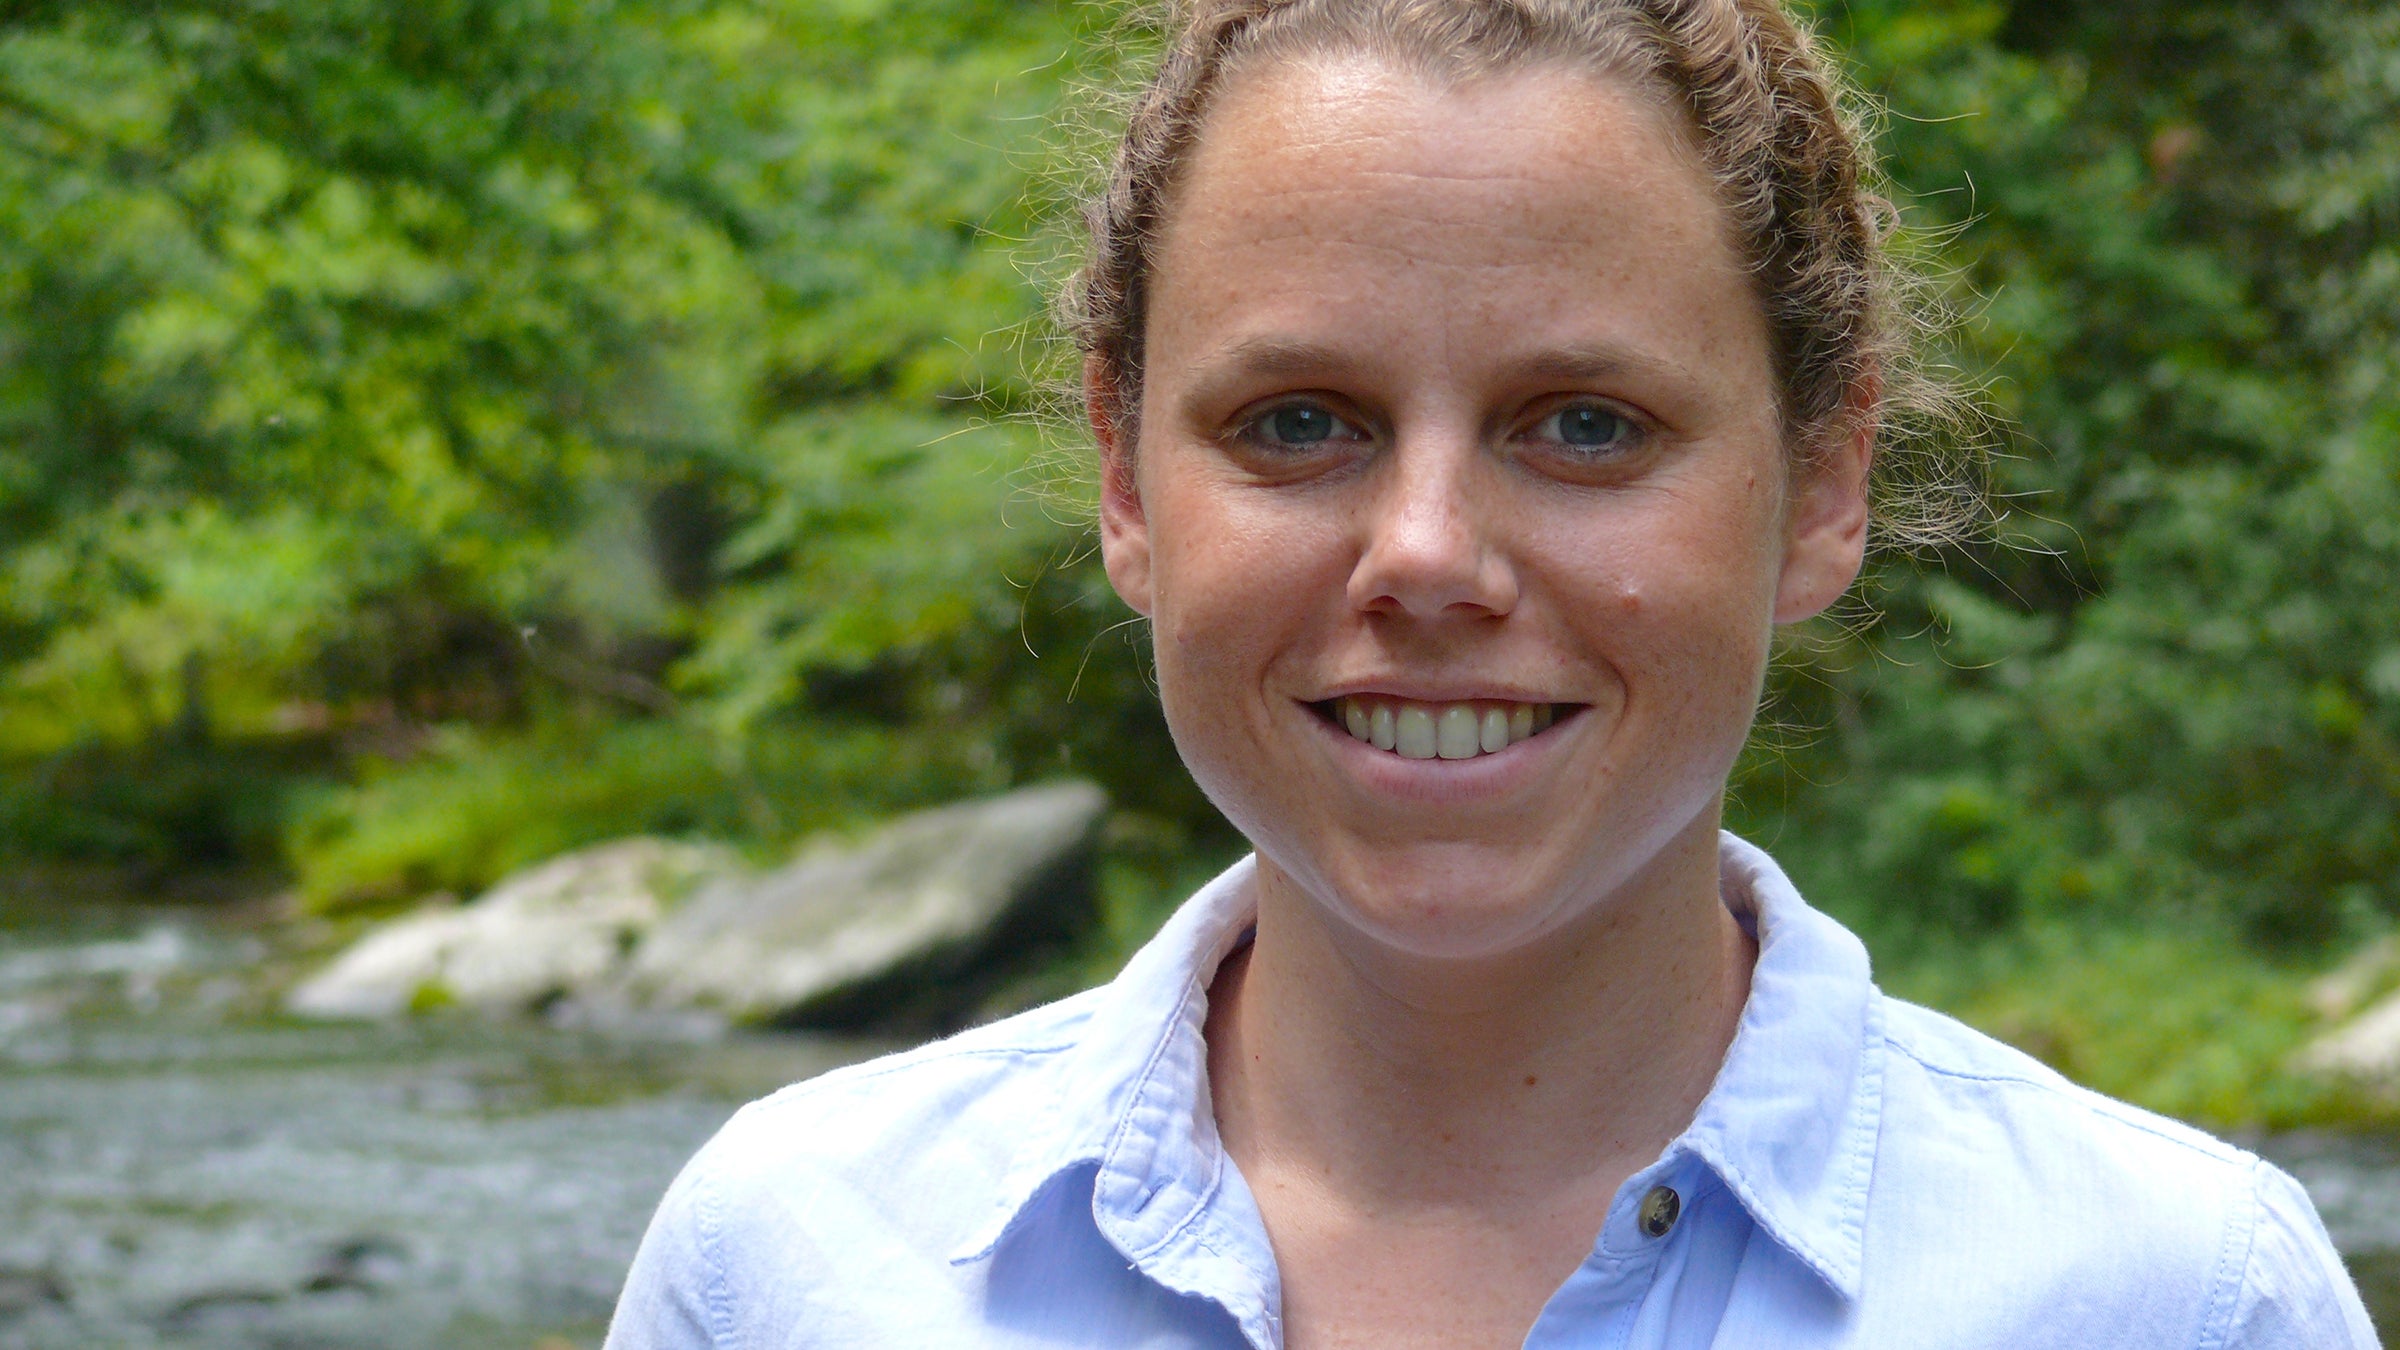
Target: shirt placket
x: 1600, y: 1304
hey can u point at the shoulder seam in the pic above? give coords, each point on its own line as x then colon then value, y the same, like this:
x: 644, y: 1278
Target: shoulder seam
x: 2090, y: 1102
x: 902, y: 1062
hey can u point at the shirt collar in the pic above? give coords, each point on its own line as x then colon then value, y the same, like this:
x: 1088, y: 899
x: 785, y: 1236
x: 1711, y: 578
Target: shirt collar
x: 1131, y: 1099
x: 1789, y: 1125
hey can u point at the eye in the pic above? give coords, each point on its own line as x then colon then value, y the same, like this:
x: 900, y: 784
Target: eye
x: 1298, y: 426
x: 1589, y: 429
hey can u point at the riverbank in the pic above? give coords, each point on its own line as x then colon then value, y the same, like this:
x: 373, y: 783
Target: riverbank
x: 178, y: 1170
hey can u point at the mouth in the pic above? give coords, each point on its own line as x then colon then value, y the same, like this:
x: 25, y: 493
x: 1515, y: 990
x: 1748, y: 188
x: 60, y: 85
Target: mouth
x: 1415, y: 730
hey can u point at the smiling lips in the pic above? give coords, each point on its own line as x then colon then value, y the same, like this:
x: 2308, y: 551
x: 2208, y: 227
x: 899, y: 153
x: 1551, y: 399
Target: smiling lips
x: 1440, y: 730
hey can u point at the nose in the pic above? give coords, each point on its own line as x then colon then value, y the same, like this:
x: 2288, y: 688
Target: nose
x: 1431, y: 549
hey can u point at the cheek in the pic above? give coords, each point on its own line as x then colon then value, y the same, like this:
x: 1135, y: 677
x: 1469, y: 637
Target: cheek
x: 1233, y: 580
x: 1231, y: 604
x: 1681, y: 600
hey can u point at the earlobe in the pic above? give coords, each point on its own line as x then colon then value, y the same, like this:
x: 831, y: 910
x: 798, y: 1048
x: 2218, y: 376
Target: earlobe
x: 1124, y: 529
x: 1826, y: 539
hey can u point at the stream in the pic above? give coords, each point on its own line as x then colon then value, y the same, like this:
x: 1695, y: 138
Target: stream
x: 180, y: 1167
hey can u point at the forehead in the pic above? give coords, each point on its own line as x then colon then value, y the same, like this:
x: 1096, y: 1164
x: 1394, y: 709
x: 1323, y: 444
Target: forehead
x: 1335, y: 192
x: 1360, y: 108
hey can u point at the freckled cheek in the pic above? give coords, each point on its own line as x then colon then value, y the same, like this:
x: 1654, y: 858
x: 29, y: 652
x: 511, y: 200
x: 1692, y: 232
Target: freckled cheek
x: 1206, y: 656
x: 1677, y: 650
x: 1225, y: 624
x: 1686, y: 629
x: 1233, y: 596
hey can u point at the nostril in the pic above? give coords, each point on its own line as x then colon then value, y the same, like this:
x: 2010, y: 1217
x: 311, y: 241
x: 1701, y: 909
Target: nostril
x: 1429, y: 560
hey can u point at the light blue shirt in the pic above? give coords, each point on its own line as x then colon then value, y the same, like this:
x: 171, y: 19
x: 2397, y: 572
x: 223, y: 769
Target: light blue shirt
x: 1864, y: 1173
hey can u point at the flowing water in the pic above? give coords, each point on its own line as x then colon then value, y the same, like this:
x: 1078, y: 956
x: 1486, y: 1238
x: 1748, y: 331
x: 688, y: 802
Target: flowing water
x: 179, y: 1169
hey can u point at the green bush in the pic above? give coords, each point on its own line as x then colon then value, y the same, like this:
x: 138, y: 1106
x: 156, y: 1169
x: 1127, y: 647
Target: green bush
x: 160, y: 807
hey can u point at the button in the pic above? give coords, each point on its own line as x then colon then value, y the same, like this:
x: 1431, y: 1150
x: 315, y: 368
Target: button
x: 1659, y: 1209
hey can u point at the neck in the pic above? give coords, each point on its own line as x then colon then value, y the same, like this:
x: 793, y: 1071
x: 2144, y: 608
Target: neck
x: 1395, y: 1082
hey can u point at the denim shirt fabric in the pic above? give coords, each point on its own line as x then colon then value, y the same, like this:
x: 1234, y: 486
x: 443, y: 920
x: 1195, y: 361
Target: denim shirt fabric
x: 1863, y: 1173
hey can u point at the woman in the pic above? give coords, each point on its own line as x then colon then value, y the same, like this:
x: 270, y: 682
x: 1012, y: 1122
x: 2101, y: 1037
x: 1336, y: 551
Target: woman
x: 1477, y: 383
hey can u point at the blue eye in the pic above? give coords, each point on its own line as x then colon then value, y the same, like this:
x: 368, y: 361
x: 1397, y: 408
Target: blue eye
x: 1300, y: 425
x: 1588, y: 426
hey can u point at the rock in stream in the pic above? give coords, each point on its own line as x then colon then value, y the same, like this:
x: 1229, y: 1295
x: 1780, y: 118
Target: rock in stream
x: 912, y: 926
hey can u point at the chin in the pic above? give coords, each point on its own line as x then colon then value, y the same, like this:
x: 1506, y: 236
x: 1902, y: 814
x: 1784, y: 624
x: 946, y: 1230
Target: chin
x: 1436, y: 901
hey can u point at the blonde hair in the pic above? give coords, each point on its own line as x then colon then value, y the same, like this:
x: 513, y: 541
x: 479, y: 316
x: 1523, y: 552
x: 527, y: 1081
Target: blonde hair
x: 1775, y: 125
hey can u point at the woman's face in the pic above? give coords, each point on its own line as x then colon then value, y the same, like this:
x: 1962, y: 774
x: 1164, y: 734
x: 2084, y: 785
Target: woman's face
x: 1458, y: 433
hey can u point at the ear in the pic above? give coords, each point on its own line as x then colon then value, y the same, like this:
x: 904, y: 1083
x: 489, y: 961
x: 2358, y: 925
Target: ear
x: 1825, y: 524
x: 1124, y: 530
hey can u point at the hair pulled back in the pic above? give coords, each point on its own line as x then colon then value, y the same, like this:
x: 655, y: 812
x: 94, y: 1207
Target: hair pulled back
x: 1790, y: 161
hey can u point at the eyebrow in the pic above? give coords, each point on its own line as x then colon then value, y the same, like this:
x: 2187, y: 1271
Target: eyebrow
x: 1276, y: 356
x: 1576, y: 362
x: 1597, y: 363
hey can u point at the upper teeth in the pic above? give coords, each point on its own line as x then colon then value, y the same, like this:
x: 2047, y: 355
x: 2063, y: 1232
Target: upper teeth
x: 1449, y: 730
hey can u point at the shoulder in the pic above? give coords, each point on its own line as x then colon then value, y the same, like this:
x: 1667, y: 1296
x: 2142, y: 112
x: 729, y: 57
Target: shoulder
x: 884, y: 1165
x: 954, y: 1107
x: 2294, y: 1289
x: 1939, y: 1065
x: 2088, y: 1202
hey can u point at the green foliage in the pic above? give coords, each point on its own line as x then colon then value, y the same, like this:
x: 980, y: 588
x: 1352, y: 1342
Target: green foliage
x: 387, y: 375
x: 2168, y: 692
x: 158, y: 807
x: 328, y: 324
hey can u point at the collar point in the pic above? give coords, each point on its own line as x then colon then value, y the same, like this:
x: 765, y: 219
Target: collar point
x: 984, y: 1240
